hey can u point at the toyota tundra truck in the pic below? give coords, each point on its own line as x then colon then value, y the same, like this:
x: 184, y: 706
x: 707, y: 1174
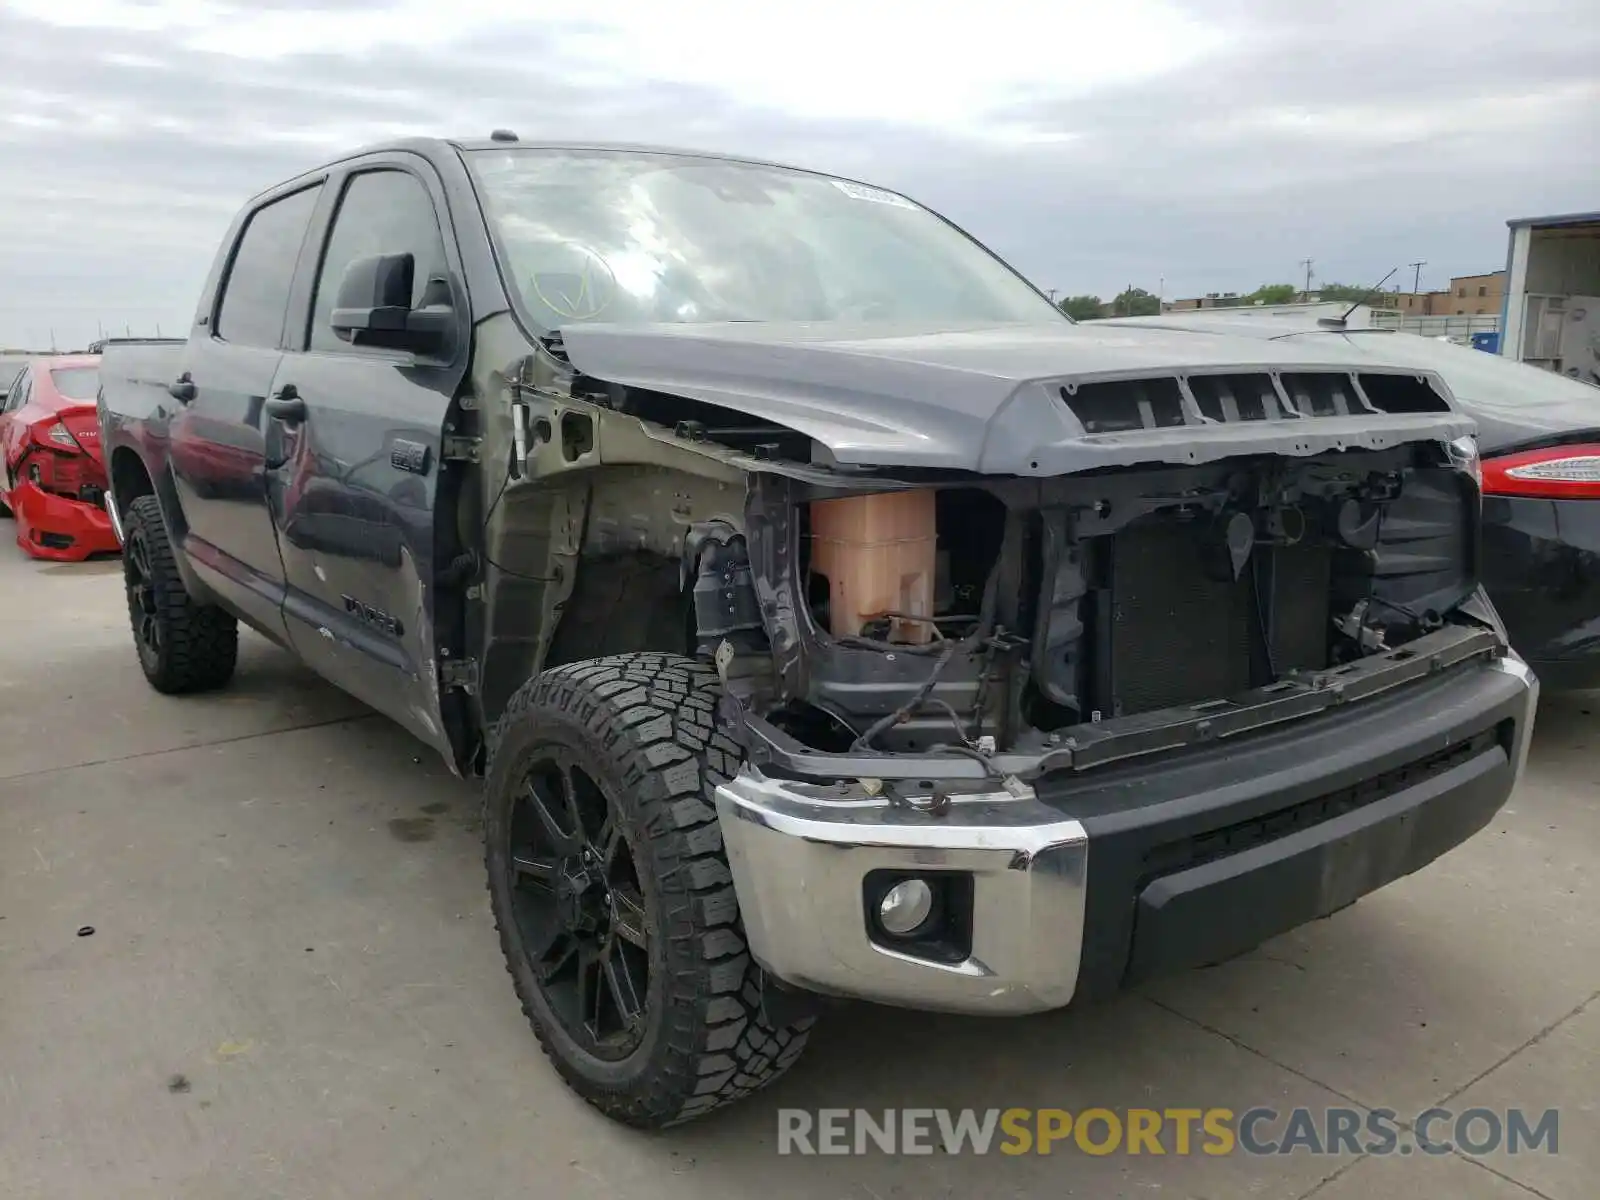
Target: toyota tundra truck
x: 827, y: 615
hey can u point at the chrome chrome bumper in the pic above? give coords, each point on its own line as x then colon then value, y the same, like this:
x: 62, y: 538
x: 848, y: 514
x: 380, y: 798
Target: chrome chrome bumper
x: 800, y: 852
x: 1511, y: 663
x: 803, y: 855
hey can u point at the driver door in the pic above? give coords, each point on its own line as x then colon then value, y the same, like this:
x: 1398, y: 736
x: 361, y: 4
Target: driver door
x: 354, y: 453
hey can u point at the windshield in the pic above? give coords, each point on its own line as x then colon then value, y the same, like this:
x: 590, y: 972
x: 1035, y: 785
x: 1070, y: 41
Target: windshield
x: 77, y: 383
x: 633, y: 237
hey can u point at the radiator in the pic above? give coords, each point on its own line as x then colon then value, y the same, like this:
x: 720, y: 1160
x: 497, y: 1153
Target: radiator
x: 1179, y: 637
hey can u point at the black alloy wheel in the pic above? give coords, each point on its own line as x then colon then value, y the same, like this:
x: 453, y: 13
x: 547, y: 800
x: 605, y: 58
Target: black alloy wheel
x: 613, y: 896
x: 143, y: 605
x: 578, y: 906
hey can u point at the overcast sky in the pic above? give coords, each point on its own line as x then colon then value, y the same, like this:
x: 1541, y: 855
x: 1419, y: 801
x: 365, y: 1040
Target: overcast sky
x: 1209, y: 144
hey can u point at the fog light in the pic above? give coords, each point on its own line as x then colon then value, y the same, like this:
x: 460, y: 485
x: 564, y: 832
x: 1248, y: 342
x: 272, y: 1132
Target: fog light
x: 905, y: 907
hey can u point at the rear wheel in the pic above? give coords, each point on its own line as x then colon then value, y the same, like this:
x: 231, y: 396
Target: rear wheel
x: 183, y: 646
x: 612, y: 894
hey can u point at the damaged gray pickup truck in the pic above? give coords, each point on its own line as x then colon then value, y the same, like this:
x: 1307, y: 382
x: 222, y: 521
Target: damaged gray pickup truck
x: 828, y: 615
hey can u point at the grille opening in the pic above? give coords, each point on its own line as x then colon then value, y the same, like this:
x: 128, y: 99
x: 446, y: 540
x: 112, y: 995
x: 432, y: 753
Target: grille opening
x: 1402, y: 394
x: 1235, y: 397
x: 1123, y: 405
x: 1322, y: 394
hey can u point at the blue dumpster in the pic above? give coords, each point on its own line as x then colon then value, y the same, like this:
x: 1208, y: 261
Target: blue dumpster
x: 1489, y: 340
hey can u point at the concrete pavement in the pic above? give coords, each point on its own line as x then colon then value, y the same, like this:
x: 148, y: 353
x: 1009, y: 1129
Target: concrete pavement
x: 293, y: 988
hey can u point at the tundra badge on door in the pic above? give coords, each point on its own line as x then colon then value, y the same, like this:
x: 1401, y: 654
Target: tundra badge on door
x: 375, y: 617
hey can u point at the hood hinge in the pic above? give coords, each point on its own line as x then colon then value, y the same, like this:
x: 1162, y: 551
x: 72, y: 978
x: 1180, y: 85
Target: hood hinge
x: 459, y: 448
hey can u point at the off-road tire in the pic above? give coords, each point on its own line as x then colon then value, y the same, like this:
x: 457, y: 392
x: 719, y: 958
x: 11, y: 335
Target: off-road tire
x: 199, y: 643
x: 643, y: 725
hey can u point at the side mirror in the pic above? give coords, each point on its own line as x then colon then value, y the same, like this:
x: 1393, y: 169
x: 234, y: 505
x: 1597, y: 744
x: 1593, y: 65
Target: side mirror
x: 373, y: 306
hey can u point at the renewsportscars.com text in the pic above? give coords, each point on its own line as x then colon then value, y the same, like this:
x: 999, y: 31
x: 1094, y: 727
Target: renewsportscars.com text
x: 1176, y: 1131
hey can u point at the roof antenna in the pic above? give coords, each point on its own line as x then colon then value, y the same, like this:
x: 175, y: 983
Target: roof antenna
x: 1339, y: 321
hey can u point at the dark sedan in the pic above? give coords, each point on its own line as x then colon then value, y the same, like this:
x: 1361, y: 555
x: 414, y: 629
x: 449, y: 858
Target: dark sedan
x: 1539, y: 438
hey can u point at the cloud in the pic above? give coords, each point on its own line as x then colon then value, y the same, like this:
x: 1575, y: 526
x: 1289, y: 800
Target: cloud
x: 1208, y: 143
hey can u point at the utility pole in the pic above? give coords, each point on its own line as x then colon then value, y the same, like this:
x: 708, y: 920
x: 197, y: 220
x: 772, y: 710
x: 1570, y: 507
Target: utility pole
x: 1051, y: 292
x: 1306, y: 263
x: 1416, y: 275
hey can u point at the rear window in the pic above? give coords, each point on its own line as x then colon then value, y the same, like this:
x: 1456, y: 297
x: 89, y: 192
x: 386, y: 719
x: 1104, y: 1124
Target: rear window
x: 77, y: 383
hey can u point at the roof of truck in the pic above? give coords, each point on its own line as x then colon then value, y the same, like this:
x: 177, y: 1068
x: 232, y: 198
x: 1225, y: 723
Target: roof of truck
x: 432, y: 146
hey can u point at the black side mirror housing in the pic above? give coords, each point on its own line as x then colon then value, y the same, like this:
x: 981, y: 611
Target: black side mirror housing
x: 373, y: 306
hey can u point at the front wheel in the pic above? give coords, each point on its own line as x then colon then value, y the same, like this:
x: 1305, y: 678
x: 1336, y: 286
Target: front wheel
x: 612, y: 894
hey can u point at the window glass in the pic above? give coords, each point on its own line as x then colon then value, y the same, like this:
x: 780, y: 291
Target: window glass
x: 619, y: 236
x: 257, y: 289
x: 382, y: 212
x: 77, y: 383
x: 20, y: 389
x: 15, y: 392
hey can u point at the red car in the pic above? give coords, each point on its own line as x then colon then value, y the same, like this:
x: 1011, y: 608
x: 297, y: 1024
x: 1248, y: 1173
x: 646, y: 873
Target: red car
x: 52, y: 475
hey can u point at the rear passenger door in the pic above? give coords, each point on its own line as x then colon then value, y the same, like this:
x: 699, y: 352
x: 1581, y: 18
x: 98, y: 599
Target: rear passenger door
x: 354, y: 494
x: 217, y: 429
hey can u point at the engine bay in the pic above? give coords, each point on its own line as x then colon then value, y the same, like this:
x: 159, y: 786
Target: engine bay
x: 982, y: 616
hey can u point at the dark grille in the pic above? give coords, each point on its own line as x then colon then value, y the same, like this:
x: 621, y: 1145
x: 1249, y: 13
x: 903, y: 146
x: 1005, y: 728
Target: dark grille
x: 1122, y: 405
x: 1235, y: 397
x: 1402, y: 394
x: 1319, y: 394
x: 1234, y: 839
x: 1126, y: 404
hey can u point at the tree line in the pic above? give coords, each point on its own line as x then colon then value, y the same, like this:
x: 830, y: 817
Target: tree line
x: 1136, y: 302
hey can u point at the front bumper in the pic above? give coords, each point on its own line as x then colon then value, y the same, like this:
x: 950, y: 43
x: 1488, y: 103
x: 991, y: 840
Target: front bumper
x: 1083, y: 883
x: 59, y: 528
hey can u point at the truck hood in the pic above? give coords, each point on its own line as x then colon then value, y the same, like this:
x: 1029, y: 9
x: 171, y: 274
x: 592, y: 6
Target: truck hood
x: 983, y: 399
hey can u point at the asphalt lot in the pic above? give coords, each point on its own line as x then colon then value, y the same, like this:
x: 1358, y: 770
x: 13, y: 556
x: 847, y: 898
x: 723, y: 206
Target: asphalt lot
x: 293, y: 989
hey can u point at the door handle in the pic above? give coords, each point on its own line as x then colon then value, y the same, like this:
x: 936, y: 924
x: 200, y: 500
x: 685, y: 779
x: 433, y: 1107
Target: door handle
x: 182, y: 389
x: 286, y: 405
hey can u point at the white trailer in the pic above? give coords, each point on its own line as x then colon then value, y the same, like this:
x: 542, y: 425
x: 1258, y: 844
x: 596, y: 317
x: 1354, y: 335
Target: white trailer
x: 1551, y: 317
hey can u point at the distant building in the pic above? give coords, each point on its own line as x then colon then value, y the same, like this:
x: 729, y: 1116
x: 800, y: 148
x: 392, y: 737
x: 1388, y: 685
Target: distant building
x: 1476, y: 295
x: 1467, y: 296
x: 1209, y: 300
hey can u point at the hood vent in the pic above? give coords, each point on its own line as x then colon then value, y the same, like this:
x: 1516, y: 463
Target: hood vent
x: 1127, y: 405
